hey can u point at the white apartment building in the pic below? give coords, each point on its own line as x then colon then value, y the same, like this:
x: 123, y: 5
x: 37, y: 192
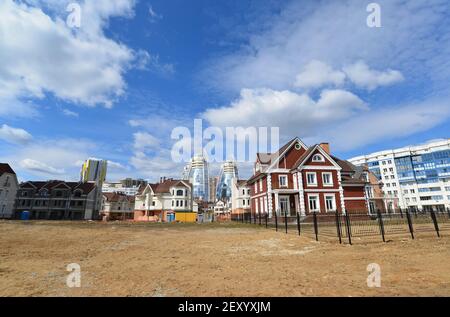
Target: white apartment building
x: 8, y: 190
x: 418, y: 175
x: 118, y: 187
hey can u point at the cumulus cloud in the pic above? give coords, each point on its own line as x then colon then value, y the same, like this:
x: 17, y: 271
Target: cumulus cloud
x: 294, y: 113
x: 76, y: 65
x: 14, y: 135
x: 362, y: 76
x: 317, y: 74
x: 385, y: 124
x: 144, y: 140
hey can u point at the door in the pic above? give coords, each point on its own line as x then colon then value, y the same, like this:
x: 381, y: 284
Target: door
x: 284, y: 205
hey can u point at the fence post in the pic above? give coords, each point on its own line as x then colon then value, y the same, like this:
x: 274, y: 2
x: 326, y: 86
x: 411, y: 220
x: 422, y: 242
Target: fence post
x: 381, y: 224
x: 338, y: 227
x: 316, y: 229
x: 410, y: 225
x: 349, y: 229
x: 285, y: 220
x: 266, y: 215
x: 298, y: 222
x: 448, y: 212
x: 436, y: 226
x: 401, y: 213
x: 259, y: 215
x: 276, y: 220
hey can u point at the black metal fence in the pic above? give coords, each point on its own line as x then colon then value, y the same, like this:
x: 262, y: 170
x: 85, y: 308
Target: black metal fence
x: 349, y: 227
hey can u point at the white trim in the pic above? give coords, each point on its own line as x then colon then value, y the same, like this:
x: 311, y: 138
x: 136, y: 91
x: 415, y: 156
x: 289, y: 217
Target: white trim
x: 324, y: 153
x: 322, y: 190
x: 319, y: 167
x: 355, y: 198
x: 296, y: 140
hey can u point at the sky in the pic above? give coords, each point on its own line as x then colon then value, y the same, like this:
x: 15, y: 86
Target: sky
x: 115, y: 87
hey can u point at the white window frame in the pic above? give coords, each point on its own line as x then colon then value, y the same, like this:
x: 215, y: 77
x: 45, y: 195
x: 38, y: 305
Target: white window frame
x: 261, y: 205
x: 331, y: 184
x: 256, y: 205
x: 261, y: 185
x: 333, y: 202
x: 316, y: 196
x: 284, y: 177
x: 319, y: 156
x: 307, y: 179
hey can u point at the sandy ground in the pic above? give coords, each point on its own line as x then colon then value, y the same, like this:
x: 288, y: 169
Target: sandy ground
x: 210, y: 260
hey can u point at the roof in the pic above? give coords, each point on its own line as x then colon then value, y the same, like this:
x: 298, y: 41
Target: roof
x: 5, y: 168
x: 255, y: 177
x: 266, y: 158
x: 115, y: 197
x: 38, y: 185
x: 164, y: 187
x: 241, y: 182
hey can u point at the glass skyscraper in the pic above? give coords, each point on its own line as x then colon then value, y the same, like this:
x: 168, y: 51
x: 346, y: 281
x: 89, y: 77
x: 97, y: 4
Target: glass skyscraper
x: 228, y: 173
x: 196, y: 172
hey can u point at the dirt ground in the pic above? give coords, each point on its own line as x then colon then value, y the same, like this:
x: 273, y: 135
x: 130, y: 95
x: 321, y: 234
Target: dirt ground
x: 118, y: 259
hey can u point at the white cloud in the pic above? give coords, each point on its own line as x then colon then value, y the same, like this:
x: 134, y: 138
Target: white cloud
x: 156, y: 166
x: 144, y: 140
x: 81, y: 66
x: 40, y: 167
x: 70, y: 113
x: 362, y: 76
x: 145, y: 61
x: 14, y: 135
x: 317, y: 74
x: 295, y: 114
x: 385, y: 124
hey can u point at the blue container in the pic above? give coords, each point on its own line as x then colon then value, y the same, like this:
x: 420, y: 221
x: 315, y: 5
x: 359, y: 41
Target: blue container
x: 25, y: 215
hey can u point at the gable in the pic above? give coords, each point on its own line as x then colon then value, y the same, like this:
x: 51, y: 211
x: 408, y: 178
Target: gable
x: 292, y: 155
x: 317, y: 153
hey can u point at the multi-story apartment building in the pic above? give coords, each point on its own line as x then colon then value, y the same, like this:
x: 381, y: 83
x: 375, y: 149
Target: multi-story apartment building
x: 196, y: 172
x: 8, y: 189
x: 228, y: 173
x: 419, y: 176
x: 56, y: 200
x: 94, y: 170
x: 127, y: 186
x: 298, y: 179
x: 159, y: 202
x: 117, y: 206
x: 240, y: 197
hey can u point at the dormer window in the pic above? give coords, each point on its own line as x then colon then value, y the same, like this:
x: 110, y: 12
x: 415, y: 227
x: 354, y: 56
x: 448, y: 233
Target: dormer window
x: 318, y: 158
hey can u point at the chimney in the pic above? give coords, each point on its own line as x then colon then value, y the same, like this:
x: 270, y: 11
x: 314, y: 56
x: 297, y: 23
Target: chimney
x: 160, y: 180
x: 326, y: 147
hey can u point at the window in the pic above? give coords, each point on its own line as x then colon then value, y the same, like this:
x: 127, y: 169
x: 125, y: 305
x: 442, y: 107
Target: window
x: 180, y: 192
x: 391, y: 169
x: 243, y: 202
x: 154, y: 203
x: 256, y: 188
x: 327, y: 179
x: 318, y: 158
x: 313, y: 203
x: 311, y: 178
x: 392, y: 176
x: 283, y: 180
x: 412, y: 191
x: 243, y: 191
x: 330, y: 202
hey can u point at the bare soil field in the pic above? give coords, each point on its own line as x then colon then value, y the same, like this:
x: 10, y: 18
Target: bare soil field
x: 219, y: 259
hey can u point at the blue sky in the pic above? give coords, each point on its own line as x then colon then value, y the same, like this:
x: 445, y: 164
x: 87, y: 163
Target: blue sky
x: 116, y: 87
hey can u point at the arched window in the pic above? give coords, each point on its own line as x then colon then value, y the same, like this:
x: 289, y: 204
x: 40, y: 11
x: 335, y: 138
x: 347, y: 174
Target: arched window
x: 77, y: 193
x: 180, y: 192
x: 318, y: 158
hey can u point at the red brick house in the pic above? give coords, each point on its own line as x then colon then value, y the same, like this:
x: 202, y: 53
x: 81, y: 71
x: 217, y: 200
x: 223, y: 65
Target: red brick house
x: 305, y: 179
